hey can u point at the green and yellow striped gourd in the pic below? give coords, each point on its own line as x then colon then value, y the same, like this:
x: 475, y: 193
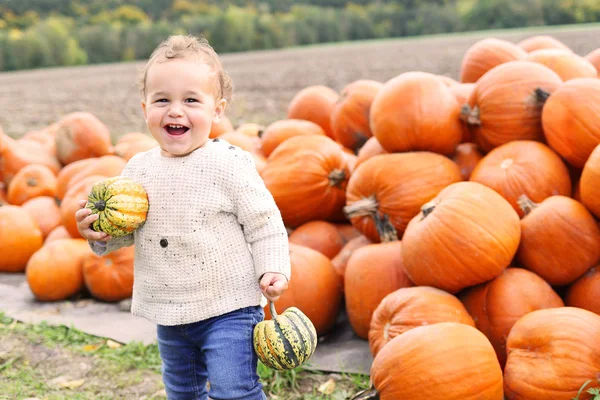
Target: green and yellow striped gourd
x: 286, y: 341
x: 121, y: 204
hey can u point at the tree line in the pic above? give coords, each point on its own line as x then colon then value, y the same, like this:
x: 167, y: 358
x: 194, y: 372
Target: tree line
x: 46, y: 33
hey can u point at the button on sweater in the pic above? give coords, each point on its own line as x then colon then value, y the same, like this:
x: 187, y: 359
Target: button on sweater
x: 212, y: 230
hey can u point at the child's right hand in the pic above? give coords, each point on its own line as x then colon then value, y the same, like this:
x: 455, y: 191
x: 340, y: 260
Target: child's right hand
x: 84, y: 218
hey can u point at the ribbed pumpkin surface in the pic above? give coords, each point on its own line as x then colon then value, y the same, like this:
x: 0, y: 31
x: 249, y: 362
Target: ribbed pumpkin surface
x: 121, y: 204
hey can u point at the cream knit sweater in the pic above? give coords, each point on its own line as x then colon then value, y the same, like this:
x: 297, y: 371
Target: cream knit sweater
x: 211, y: 232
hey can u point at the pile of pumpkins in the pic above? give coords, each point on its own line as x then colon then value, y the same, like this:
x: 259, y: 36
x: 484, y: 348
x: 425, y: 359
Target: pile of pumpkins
x: 455, y: 222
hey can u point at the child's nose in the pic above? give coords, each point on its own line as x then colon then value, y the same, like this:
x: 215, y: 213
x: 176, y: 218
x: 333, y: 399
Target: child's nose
x: 176, y: 110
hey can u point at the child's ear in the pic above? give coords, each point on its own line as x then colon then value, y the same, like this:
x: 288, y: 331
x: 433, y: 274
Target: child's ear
x: 144, y: 110
x: 219, y: 110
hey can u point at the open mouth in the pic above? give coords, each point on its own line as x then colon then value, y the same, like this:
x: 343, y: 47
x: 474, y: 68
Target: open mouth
x: 176, y: 129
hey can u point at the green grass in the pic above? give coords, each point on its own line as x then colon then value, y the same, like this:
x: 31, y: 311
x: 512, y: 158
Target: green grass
x: 115, y: 367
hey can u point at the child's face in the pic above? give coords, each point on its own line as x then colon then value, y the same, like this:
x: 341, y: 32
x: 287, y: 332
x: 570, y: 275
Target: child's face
x: 180, y: 105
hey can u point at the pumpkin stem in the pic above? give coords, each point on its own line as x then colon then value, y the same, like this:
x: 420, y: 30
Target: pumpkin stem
x: 369, y: 394
x: 362, y: 208
x: 272, y: 309
x: 100, y: 205
x: 385, y: 229
x: 32, y: 182
x: 526, y: 204
x: 336, y: 178
x: 541, y: 95
x: 427, y: 209
x: 470, y: 115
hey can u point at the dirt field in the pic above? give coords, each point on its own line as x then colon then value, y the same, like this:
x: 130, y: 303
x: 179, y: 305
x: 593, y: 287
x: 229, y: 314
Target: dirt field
x: 264, y: 81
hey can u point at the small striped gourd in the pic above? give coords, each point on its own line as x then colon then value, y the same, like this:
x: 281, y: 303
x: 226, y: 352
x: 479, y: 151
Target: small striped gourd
x: 286, y: 341
x: 121, y: 204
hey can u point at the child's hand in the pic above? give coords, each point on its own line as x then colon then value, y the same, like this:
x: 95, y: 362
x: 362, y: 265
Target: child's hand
x: 84, y: 220
x: 273, y: 285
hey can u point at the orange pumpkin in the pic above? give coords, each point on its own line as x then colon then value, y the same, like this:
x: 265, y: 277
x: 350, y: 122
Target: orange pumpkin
x: 485, y: 54
x: 594, y: 58
x: 109, y: 165
x: 60, y: 232
x: 314, y: 103
x: 46, y: 137
x: 315, y: 289
x: 219, y: 128
x: 20, y: 237
x: 461, y: 93
x: 392, y: 187
x: 552, y: 353
x: 572, y: 126
x: 31, y: 181
x: 307, y: 176
x: 340, y: 261
x: 350, y: 114
x: 467, y: 156
x: 16, y: 154
x: 45, y: 212
x: 539, y: 42
x: 110, y: 277
x: 321, y: 236
x: 583, y: 293
x: 81, y: 135
x: 371, y: 148
x: 416, y: 111
x: 560, y: 239
x: 411, y: 307
x: 507, y: 102
x: 448, y: 359
x: 565, y: 63
x: 69, y: 171
x: 283, y: 129
x: 372, y: 272
x: 55, y: 271
x: 132, y: 143
x: 523, y: 167
x: 589, y: 184
x: 466, y: 235
x: 496, y: 305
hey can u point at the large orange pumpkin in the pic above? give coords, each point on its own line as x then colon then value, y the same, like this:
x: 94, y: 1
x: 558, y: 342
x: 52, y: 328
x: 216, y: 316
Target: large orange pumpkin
x: 416, y: 111
x: 496, y: 305
x: 372, y: 272
x: 466, y: 235
x: 45, y: 211
x: 322, y: 236
x: 565, y: 63
x: 281, y: 130
x: 16, y: 154
x: 219, y: 128
x: 447, y: 360
x: 314, y: 289
x: 55, y: 271
x: 20, y: 237
x: 539, y: 42
x: 314, y: 103
x: 552, y: 353
x: 523, y: 167
x: 572, y: 126
x: 390, y: 188
x: 411, y: 307
x: 31, y: 181
x: 350, y: 114
x: 67, y: 172
x: 110, y: 277
x: 507, y: 102
x: 560, y: 239
x: 485, y: 54
x: 589, y: 184
x: 81, y: 135
x: 583, y: 293
x: 307, y: 176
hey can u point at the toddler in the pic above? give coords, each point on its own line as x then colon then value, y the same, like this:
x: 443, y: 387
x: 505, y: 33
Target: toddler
x: 213, y: 242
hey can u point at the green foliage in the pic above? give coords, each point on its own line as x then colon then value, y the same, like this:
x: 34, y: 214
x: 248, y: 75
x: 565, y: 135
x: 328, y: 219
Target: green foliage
x: 595, y: 392
x: 41, y: 33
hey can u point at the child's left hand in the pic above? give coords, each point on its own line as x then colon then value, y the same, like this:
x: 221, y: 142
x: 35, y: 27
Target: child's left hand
x: 273, y: 285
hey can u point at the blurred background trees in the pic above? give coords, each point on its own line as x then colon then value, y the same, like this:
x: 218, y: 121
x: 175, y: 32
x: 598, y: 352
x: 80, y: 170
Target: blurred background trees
x: 44, y: 33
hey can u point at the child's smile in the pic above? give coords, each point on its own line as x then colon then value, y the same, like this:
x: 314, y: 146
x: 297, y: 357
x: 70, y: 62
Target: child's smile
x: 176, y: 130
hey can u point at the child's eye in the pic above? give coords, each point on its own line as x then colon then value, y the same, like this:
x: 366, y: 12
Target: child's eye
x: 161, y: 101
x: 191, y: 100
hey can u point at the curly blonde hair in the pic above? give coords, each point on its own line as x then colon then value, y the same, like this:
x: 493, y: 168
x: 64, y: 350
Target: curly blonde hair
x: 189, y: 47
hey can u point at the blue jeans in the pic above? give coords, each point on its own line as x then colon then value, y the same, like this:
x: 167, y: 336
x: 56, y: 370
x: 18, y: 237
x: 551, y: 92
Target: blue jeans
x: 218, y: 350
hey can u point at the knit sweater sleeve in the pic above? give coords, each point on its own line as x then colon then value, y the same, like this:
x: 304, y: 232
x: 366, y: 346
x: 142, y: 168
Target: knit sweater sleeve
x: 260, y: 218
x: 104, y: 248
